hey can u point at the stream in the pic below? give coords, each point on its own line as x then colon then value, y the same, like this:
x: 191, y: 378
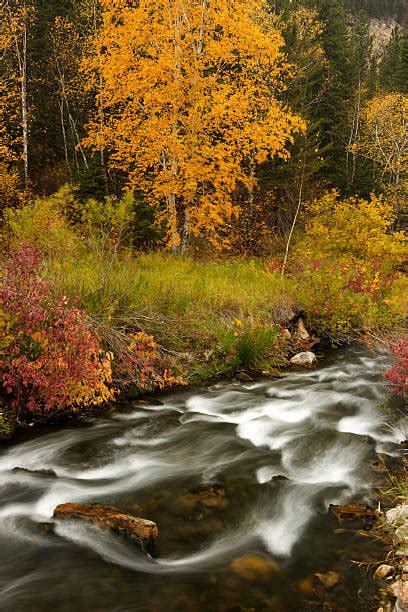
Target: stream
x: 238, y: 478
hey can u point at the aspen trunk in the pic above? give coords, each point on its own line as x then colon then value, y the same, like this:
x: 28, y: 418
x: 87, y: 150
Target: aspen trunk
x: 171, y: 204
x: 64, y: 135
x: 186, y: 231
x: 24, y: 112
x: 299, y: 205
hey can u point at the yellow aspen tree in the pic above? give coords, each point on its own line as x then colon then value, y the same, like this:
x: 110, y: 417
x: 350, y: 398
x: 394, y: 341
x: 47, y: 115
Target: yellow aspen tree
x: 384, y: 140
x: 191, y: 101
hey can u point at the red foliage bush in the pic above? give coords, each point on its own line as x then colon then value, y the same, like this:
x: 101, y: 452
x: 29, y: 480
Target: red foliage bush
x: 52, y: 359
x: 398, y: 373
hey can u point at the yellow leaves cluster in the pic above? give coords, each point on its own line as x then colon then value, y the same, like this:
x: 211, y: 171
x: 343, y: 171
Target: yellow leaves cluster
x: 353, y: 227
x: 11, y: 193
x: 6, y: 335
x: 42, y: 223
x: 384, y: 138
x: 190, y: 95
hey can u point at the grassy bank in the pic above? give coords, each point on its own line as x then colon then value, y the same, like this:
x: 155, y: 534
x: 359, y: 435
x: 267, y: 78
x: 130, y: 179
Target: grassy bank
x: 209, y: 317
x: 213, y: 317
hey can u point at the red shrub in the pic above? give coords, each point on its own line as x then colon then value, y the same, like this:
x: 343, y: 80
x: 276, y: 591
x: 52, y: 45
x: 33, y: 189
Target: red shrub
x: 53, y: 359
x: 398, y: 374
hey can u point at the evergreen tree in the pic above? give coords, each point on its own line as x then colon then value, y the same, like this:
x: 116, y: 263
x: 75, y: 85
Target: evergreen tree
x: 393, y: 73
x: 379, y: 8
x: 402, y: 71
x: 389, y: 65
x: 302, y: 31
x: 332, y: 110
x: 359, y: 175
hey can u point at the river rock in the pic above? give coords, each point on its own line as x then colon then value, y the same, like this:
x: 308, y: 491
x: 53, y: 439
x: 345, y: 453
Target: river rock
x: 401, y: 605
x: 307, y: 359
x: 285, y: 334
x: 244, y: 377
x: 329, y: 579
x: 392, y: 589
x: 253, y: 566
x: 203, y: 498
x: 383, y: 571
x: 301, y: 330
x: 351, y: 512
x: 401, y: 534
x: 398, y: 515
x: 140, y: 530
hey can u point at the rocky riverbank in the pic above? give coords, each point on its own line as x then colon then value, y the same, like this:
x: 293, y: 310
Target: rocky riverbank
x: 392, y: 574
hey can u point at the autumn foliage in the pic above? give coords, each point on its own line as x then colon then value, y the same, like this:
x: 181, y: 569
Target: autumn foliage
x: 50, y: 359
x: 138, y: 363
x: 398, y: 374
x: 190, y: 102
x: 352, y: 227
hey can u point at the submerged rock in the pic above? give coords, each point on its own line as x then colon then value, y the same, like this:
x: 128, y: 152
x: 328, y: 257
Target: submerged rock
x: 140, y: 530
x: 307, y: 359
x: 253, y: 566
x: 329, y: 579
x: 206, y: 497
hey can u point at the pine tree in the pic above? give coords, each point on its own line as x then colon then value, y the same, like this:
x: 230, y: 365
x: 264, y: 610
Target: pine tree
x: 402, y: 71
x: 302, y: 31
x: 332, y: 110
x: 390, y: 63
x: 361, y: 58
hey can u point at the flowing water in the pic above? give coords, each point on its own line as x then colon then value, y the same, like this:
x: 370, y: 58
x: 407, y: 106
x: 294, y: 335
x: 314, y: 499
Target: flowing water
x: 238, y: 477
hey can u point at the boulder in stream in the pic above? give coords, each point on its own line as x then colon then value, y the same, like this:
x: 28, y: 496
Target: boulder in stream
x: 253, y: 567
x: 139, y: 530
x: 307, y: 359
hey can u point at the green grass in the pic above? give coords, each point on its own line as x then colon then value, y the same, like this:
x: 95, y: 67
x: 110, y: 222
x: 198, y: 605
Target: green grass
x: 189, y: 306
